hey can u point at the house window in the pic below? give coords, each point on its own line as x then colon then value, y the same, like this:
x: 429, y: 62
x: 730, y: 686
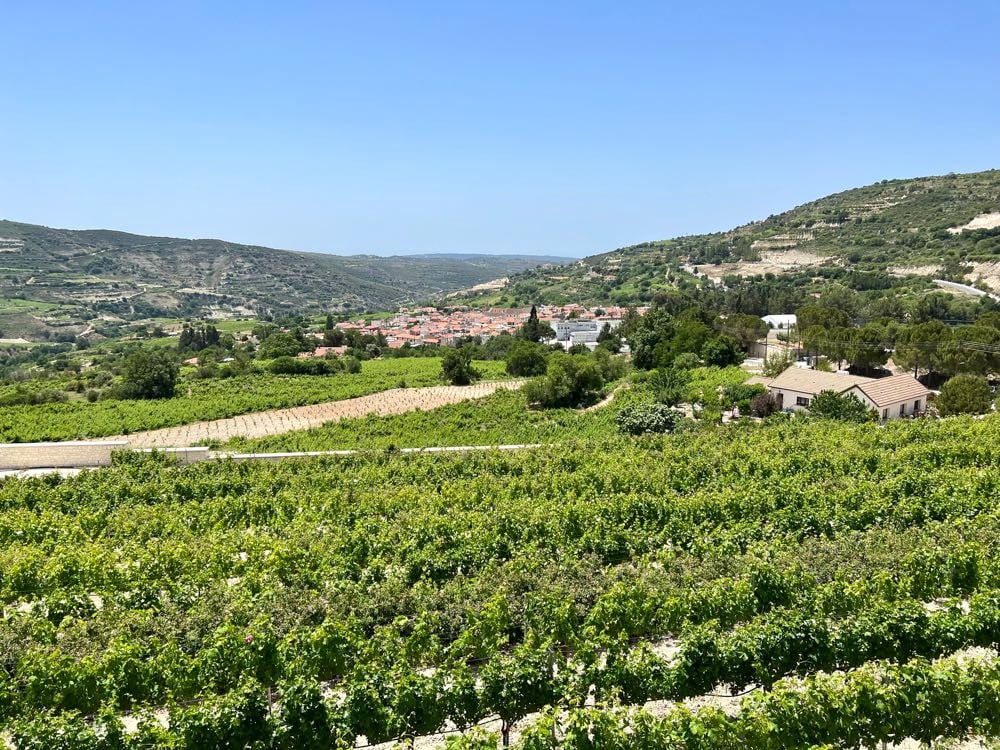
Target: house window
x: 885, y: 414
x: 902, y: 409
x: 916, y: 406
x: 802, y: 401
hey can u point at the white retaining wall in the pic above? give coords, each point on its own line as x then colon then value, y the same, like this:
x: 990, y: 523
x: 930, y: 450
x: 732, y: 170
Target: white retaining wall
x: 58, y: 455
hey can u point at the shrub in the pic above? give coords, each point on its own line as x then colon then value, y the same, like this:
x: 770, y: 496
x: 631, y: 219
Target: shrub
x: 297, y: 366
x: 965, y: 394
x: 569, y: 381
x: 742, y: 394
x: 638, y: 419
x: 668, y: 385
x: 686, y: 361
x: 831, y: 405
x: 456, y: 367
x: 763, y: 405
x: 777, y: 363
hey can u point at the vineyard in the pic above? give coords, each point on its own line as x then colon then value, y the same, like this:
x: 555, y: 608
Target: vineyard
x: 500, y: 419
x: 198, y: 400
x: 789, y: 585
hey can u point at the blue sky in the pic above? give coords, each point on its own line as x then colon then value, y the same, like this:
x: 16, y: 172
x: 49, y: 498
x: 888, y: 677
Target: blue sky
x: 543, y: 127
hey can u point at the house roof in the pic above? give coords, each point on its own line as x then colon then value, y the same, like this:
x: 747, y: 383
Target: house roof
x: 893, y: 390
x: 814, y: 381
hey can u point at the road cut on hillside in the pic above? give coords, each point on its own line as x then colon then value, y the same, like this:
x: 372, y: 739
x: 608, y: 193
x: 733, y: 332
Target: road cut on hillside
x: 278, y: 421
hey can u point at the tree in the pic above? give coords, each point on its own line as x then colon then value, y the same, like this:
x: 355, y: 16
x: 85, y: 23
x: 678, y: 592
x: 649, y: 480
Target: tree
x: 746, y: 329
x: 279, y: 344
x: 569, y: 381
x: 609, y: 339
x: 922, y: 346
x: 965, y: 394
x: 824, y: 317
x: 534, y: 329
x: 866, y: 349
x: 150, y: 373
x: 721, y: 351
x: 831, y: 405
x: 971, y: 349
x: 526, y: 359
x: 456, y: 366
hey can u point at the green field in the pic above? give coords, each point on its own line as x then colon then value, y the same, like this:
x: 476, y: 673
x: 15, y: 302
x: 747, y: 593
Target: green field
x: 201, y: 399
x: 316, y: 602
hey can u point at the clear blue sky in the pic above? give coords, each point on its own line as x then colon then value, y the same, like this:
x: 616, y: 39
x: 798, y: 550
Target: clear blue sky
x: 544, y: 127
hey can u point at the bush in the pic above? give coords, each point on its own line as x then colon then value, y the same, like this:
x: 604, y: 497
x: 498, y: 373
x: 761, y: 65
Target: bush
x: 763, y: 405
x: 742, y: 394
x: 831, y: 405
x: 687, y: 361
x: 297, y: 366
x: 526, y: 359
x: 456, y: 367
x: 569, y: 381
x: 777, y: 363
x: 149, y: 373
x: 638, y: 419
x: 965, y: 394
x: 668, y: 385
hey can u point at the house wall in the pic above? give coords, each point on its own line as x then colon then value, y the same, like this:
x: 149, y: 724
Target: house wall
x: 890, y: 411
x: 788, y: 401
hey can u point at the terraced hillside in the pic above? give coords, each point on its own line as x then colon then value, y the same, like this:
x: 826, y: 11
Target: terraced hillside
x: 946, y: 227
x: 68, y: 276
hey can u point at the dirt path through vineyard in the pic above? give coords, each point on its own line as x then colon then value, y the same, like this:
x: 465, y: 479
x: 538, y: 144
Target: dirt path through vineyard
x: 278, y: 421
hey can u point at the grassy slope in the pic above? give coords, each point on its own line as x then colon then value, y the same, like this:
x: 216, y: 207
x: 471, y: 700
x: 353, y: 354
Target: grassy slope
x: 891, y: 223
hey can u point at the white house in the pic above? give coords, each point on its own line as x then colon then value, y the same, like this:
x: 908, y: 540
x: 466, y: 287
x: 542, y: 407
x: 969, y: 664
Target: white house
x: 892, y: 397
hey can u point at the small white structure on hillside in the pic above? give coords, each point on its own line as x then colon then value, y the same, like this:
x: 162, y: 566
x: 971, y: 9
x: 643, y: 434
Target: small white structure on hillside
x: 781, y: 322
x: 892, y: 397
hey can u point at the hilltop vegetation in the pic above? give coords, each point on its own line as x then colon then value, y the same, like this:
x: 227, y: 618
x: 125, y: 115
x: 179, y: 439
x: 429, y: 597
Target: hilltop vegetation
x: 58, y: 279
x: 866, y: 239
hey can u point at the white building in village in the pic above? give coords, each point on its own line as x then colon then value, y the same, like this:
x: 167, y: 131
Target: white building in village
x: 891, y: 398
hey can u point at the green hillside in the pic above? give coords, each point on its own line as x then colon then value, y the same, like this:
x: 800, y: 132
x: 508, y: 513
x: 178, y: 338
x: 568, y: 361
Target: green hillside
x: 892, y: 228
x: 57, y: 278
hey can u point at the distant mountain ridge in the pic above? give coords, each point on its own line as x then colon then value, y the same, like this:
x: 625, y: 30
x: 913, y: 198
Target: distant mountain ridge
x: 72, y: 275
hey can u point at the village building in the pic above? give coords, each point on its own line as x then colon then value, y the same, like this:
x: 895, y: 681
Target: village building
x: 891, y: 398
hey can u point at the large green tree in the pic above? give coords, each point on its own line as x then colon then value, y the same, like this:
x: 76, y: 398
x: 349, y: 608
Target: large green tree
x: 149, y: 373
x: 534, y: 329
x: 964, y: 394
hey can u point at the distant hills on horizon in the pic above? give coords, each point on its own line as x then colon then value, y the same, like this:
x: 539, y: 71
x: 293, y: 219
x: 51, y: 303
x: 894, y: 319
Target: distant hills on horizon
x: 55, y: 281
x: 865, y: 239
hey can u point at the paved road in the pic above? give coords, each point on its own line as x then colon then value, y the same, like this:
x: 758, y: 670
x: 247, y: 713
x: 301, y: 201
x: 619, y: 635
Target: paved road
x: 278, y: 421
